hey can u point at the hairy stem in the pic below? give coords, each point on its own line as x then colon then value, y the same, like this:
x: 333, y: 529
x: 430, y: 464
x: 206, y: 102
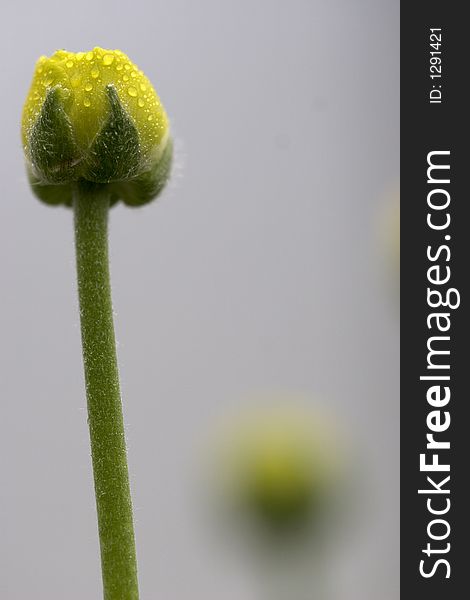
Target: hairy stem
x: 108, y: 445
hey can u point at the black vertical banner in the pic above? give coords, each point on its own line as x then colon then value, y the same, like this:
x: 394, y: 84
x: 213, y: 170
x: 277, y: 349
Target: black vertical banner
x: 435, y: 301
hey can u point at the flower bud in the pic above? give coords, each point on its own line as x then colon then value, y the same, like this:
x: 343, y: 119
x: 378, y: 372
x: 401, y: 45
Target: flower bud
x: 94, y: 116
x: 280, y: 468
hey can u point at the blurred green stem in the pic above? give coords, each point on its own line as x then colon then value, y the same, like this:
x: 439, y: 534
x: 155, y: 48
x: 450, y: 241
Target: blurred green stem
x: 108, y: 445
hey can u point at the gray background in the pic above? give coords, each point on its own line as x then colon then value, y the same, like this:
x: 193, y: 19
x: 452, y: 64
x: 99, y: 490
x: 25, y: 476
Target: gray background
x: 259, y: 269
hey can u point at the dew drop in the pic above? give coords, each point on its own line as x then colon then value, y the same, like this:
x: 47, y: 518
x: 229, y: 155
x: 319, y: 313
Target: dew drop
x: 119, y: 67
x: 143, y: 87
x: 88, y: 87
x: 69, y: 64
x: 141, y: 102
x: 133, y: 74
x: 87, y: 102
x: 125, y: 77
x: 89, y: 56
x: 95, y: 73
x: 150, y: 118
x: 132, y: 92
x: 108, y: 59
x: 127, y: 67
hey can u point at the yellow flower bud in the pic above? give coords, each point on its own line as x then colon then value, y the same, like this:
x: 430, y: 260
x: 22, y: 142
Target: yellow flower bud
x: 280, y: 467
x: 95, y: 116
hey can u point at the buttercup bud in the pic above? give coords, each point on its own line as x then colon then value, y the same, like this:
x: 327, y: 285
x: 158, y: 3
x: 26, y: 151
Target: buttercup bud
x: 280, y: 468
x: 94, y: 116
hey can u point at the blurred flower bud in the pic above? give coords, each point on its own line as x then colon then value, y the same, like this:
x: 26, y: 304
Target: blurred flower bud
x: 391, y: 231
x: 388, y: 242
x: 94, y: 116
x: 281, y: 469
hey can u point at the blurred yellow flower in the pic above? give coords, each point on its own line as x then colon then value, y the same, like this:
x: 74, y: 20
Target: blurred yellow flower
x: 279, y: 466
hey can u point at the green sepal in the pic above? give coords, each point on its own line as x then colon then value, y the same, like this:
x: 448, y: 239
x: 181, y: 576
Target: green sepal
x: 51, y: 194
x: 54, y: 154
x: 147, y: 185
x: 115, y: 153
x: 113, y: 161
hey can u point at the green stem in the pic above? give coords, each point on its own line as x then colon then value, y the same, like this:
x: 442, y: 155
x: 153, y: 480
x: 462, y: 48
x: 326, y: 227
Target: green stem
x: 108, y: 445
